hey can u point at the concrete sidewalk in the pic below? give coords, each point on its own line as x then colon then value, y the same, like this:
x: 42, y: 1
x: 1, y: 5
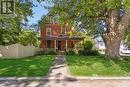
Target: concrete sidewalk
x: 59, y: 77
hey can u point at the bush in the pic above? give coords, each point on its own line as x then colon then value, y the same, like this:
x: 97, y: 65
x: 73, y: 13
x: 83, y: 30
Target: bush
x: 40, y: 53
x: 88, y: 45
x: 94, y: 52
x: 86, y: 52
x: 51, y: 53
x: 70, y: 52
x: 80, y: 52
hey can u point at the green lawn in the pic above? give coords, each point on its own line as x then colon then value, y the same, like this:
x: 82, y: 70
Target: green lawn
x: 97, y: 66
x: 29, y: 66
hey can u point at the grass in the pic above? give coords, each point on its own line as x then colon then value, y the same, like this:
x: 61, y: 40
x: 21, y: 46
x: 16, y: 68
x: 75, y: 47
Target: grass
x: 26, y: 67
x: 97, y: 66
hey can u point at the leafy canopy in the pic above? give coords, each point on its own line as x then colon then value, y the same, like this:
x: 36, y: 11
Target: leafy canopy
x: 85, y: 14
x: 11, y: 25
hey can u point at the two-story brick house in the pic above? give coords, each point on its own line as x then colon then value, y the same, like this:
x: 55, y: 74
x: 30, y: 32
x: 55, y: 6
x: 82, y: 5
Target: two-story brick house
x: 56, y: 37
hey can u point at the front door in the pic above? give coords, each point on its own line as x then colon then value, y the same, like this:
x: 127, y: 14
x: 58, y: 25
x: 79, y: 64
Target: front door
x: 48, y: 43
x: 59, y: 45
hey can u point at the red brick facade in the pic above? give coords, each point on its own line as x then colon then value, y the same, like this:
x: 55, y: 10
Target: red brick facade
x: 56, y: 40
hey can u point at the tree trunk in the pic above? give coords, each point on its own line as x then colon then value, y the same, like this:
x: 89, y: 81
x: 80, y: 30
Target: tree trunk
x: 112, y: 45
x: 116, y: 29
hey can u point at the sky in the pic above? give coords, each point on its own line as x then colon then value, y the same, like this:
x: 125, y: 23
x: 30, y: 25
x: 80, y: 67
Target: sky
x: 38, y: 12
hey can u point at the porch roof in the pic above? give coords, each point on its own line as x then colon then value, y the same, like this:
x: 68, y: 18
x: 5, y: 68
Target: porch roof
x: 62, y: 38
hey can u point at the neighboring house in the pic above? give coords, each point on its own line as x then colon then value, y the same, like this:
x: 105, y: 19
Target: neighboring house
x: 56, y: 37
x: 100, y: 46
x: 124, y: 49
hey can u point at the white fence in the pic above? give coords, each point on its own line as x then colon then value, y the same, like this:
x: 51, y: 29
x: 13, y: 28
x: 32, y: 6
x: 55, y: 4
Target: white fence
x: 17, y: 51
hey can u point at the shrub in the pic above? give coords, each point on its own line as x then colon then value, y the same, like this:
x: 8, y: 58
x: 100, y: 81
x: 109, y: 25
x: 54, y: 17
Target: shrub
x: 80, y: 52
x: 51, y: 53
x: 70, y: 52
x: 86, y: 52
x: 88, y: 45
x: 40, y: 53
x: 94, y: 52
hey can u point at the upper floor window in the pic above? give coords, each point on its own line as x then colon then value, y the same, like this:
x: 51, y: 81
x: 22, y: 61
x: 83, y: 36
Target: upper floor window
x: 48, y: 31
x: 63, y: 31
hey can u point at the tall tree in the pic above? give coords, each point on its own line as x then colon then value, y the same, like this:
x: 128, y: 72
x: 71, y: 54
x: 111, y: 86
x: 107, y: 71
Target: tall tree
x: 28, y: 37
x: 87, y: 14
x: 10, y: 25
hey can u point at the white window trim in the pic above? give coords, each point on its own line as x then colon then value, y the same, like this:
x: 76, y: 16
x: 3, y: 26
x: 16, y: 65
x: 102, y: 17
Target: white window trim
x: 49, y: 29
x: 61, y: 31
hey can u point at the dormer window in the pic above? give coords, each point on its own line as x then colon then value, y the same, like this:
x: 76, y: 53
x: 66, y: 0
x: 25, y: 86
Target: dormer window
x: 48, y: 31
x: 63, y: 31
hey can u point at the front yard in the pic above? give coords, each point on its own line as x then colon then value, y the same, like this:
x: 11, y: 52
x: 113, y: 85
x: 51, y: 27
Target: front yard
x: 26, y: 67
x: 97, y: 66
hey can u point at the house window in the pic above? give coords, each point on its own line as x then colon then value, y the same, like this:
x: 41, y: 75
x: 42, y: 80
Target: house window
x: 48, y: 31
x: 63, y: 31
x: 48, y: 43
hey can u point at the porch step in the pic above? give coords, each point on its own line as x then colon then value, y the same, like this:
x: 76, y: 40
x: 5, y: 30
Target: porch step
x: 60, y: 52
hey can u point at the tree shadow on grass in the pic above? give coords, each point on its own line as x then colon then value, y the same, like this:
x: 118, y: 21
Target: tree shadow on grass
x: 122, y: 66
x: 30, y: 66
x: 83, y: 60
x: 34, y: 82
x: 100, y: 65
x: 125, y: 65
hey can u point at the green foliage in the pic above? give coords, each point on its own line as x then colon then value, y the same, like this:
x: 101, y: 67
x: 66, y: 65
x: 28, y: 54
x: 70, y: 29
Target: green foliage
x: 80, y: 52
x: 127, y: 40
x: 84, y: 14
x: 40, y: 53
x: 87, y: 45
x: 10, y: 26
x: 79, y: 45
x: 28, y: 38
x: 127, y: 37
x: 8, y: 37
x: 94, y: 52
x: 51, y: 53
x: 88, y: 52
x: 88, y: 49
x: 70, y: 52
x: 82, y: 42
x: 25, y: 37
x: 89, y: 15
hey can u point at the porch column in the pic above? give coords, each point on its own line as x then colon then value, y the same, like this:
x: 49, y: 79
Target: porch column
x: 66, y: 45
x: 46, y: 45
x: 55, y: 45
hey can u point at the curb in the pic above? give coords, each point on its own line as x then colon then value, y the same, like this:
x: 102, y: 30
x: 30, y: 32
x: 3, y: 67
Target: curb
x: 102, y: 78
x: 67, y: 78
